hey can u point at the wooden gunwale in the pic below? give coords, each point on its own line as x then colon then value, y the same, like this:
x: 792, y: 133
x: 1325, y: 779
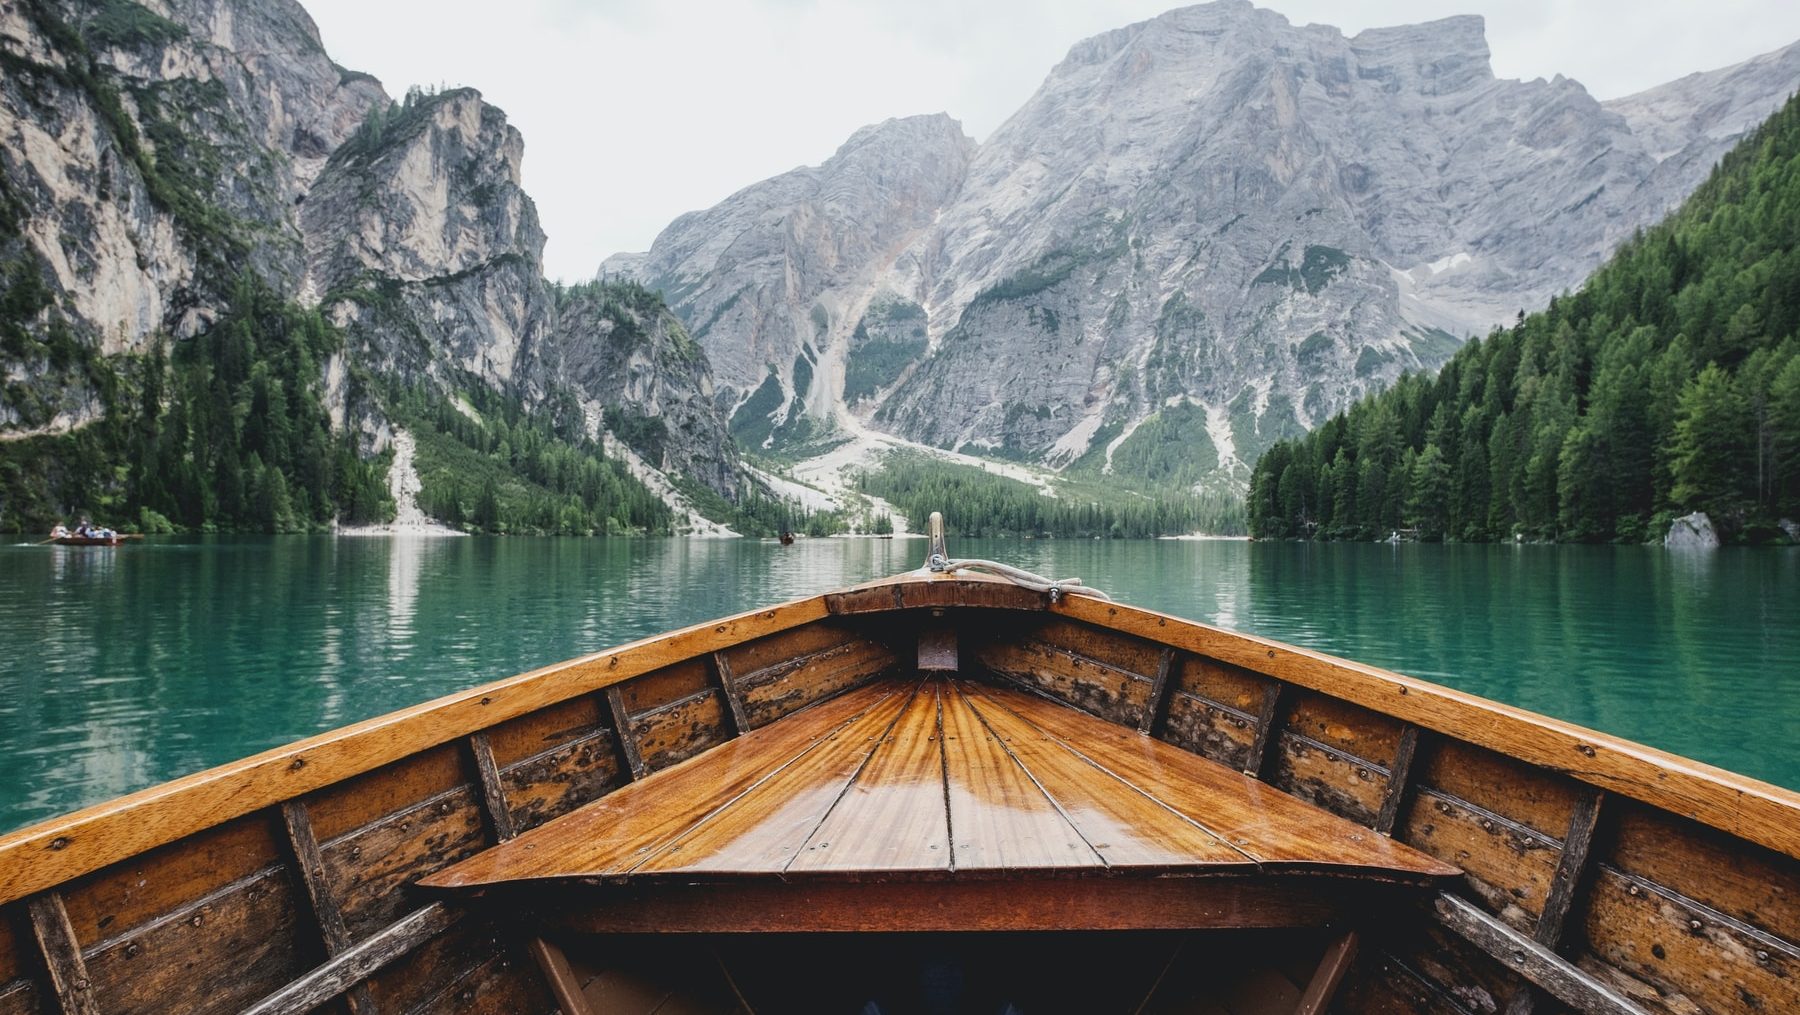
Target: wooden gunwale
x: 1747, y: 808
x: 36, y: 863
x: 48, y: 854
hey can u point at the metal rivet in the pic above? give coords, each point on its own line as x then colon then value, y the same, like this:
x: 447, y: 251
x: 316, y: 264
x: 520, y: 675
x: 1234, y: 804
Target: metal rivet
x: 1632, y: 890
x: 355, y: 851
x: 297, y: 764
x: 132, y: 949
x: 1519, y: 957
x: 1695, y: 925
x: 60, y: 842
x: 1762, y: 956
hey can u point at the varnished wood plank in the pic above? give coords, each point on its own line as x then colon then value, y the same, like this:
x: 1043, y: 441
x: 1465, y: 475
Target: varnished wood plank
x: 734, y: 699
x: 1755, y: 810
x: 1399, y: 780
x: 1263, y: 822
x: 628, y: 743
x: 999, y: 817
x: 62, y: 955
x: 1316, y: 998
x: 1050, y: 904
x: 1572, y: 870
x: 767, y: 827
x: 357, y: 964
x: 604, y: 838
x: 892, y: 816
x: 1561, y: 978
x: 1268, y: 731
x: 1126, y: 827
x: 334, y: 933
x: 1159, y: 693
x: 51, y: 852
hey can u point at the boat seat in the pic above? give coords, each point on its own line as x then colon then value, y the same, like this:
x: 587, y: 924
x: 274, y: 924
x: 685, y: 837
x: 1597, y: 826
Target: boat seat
x: 1019, y: 812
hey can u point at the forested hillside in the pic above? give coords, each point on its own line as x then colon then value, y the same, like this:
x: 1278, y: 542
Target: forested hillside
x: 1669, y: 383
x: 979, y: 503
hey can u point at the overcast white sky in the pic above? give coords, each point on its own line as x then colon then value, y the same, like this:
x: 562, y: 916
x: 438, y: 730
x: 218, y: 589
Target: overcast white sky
x: 635, y: 111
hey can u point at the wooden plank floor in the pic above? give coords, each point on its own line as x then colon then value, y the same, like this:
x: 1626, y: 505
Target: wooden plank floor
x: 935, y: 776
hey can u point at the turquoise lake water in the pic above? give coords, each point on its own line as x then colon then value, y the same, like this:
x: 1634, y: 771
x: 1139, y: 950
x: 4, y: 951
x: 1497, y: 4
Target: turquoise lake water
x: 122, y: 668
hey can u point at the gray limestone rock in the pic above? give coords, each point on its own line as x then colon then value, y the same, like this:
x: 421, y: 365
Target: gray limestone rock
x: 1692, y: 532
x: 1214, y: 215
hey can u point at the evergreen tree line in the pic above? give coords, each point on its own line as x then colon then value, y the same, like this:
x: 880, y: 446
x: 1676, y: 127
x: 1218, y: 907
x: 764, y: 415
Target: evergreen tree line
x: 1669, y: 383
x: 506, y: 469
x: 978, y: 503
x: 225, y: 431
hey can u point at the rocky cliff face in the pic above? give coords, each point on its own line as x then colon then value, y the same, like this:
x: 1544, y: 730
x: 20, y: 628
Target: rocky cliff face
x: 775, y: 280
x: 153, y: 155
x: 139, y: 148
x: 1214, y: 220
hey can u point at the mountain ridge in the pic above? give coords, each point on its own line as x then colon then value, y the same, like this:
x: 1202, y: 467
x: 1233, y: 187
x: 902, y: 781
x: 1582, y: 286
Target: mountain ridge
x: 1217, y: 212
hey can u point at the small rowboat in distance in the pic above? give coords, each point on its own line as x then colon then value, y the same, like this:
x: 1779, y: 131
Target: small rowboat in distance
x: 114, y: 540
x: 944, y: 791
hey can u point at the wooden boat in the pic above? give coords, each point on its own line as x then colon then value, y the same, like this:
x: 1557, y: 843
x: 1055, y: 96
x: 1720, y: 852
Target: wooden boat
x: 942, y: 791
x: 114, y: 540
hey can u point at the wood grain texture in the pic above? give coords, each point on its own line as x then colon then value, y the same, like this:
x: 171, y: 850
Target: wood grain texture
x: 1560, y: 978
x: 1266, y: 824
x: 936, y: 779
x: 1125, y: 826
x: 1159, y: 693
x: 221, y: 952
x: 1316, y: 998
x: 356, y: 964
x: 976, y: 905
x: 768, y: 826
x: 55, y: 851
x: 1748, y: 808
x: 1399, y: 780
x: 1000, y: 818
x: 892, y: 816
x: 334, y: 933
x: 611, y: 835
x: 62, y: 955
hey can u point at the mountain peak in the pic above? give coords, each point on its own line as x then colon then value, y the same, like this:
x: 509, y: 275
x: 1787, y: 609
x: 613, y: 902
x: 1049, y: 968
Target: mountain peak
x: 926, y: 128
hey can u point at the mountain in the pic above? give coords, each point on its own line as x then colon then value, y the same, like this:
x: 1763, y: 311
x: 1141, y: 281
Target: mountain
x: 775, y: 280
x: 1669, y: 383
x: 1205, y: 232
x: 172, y: 171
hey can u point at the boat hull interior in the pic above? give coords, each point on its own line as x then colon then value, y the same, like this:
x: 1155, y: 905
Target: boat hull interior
x: 1575, y: 871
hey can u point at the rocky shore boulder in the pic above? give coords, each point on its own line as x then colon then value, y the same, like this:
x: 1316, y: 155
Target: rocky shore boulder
x: 1692, y: 532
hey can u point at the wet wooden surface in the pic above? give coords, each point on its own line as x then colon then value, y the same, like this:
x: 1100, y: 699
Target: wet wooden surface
x: 931, y: 776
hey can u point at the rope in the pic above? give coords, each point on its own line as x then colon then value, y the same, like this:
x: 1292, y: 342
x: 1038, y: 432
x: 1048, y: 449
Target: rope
x: 1021, y: 577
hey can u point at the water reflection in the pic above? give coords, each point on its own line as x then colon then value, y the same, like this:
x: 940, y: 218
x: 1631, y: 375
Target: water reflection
x: 120, y: 668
